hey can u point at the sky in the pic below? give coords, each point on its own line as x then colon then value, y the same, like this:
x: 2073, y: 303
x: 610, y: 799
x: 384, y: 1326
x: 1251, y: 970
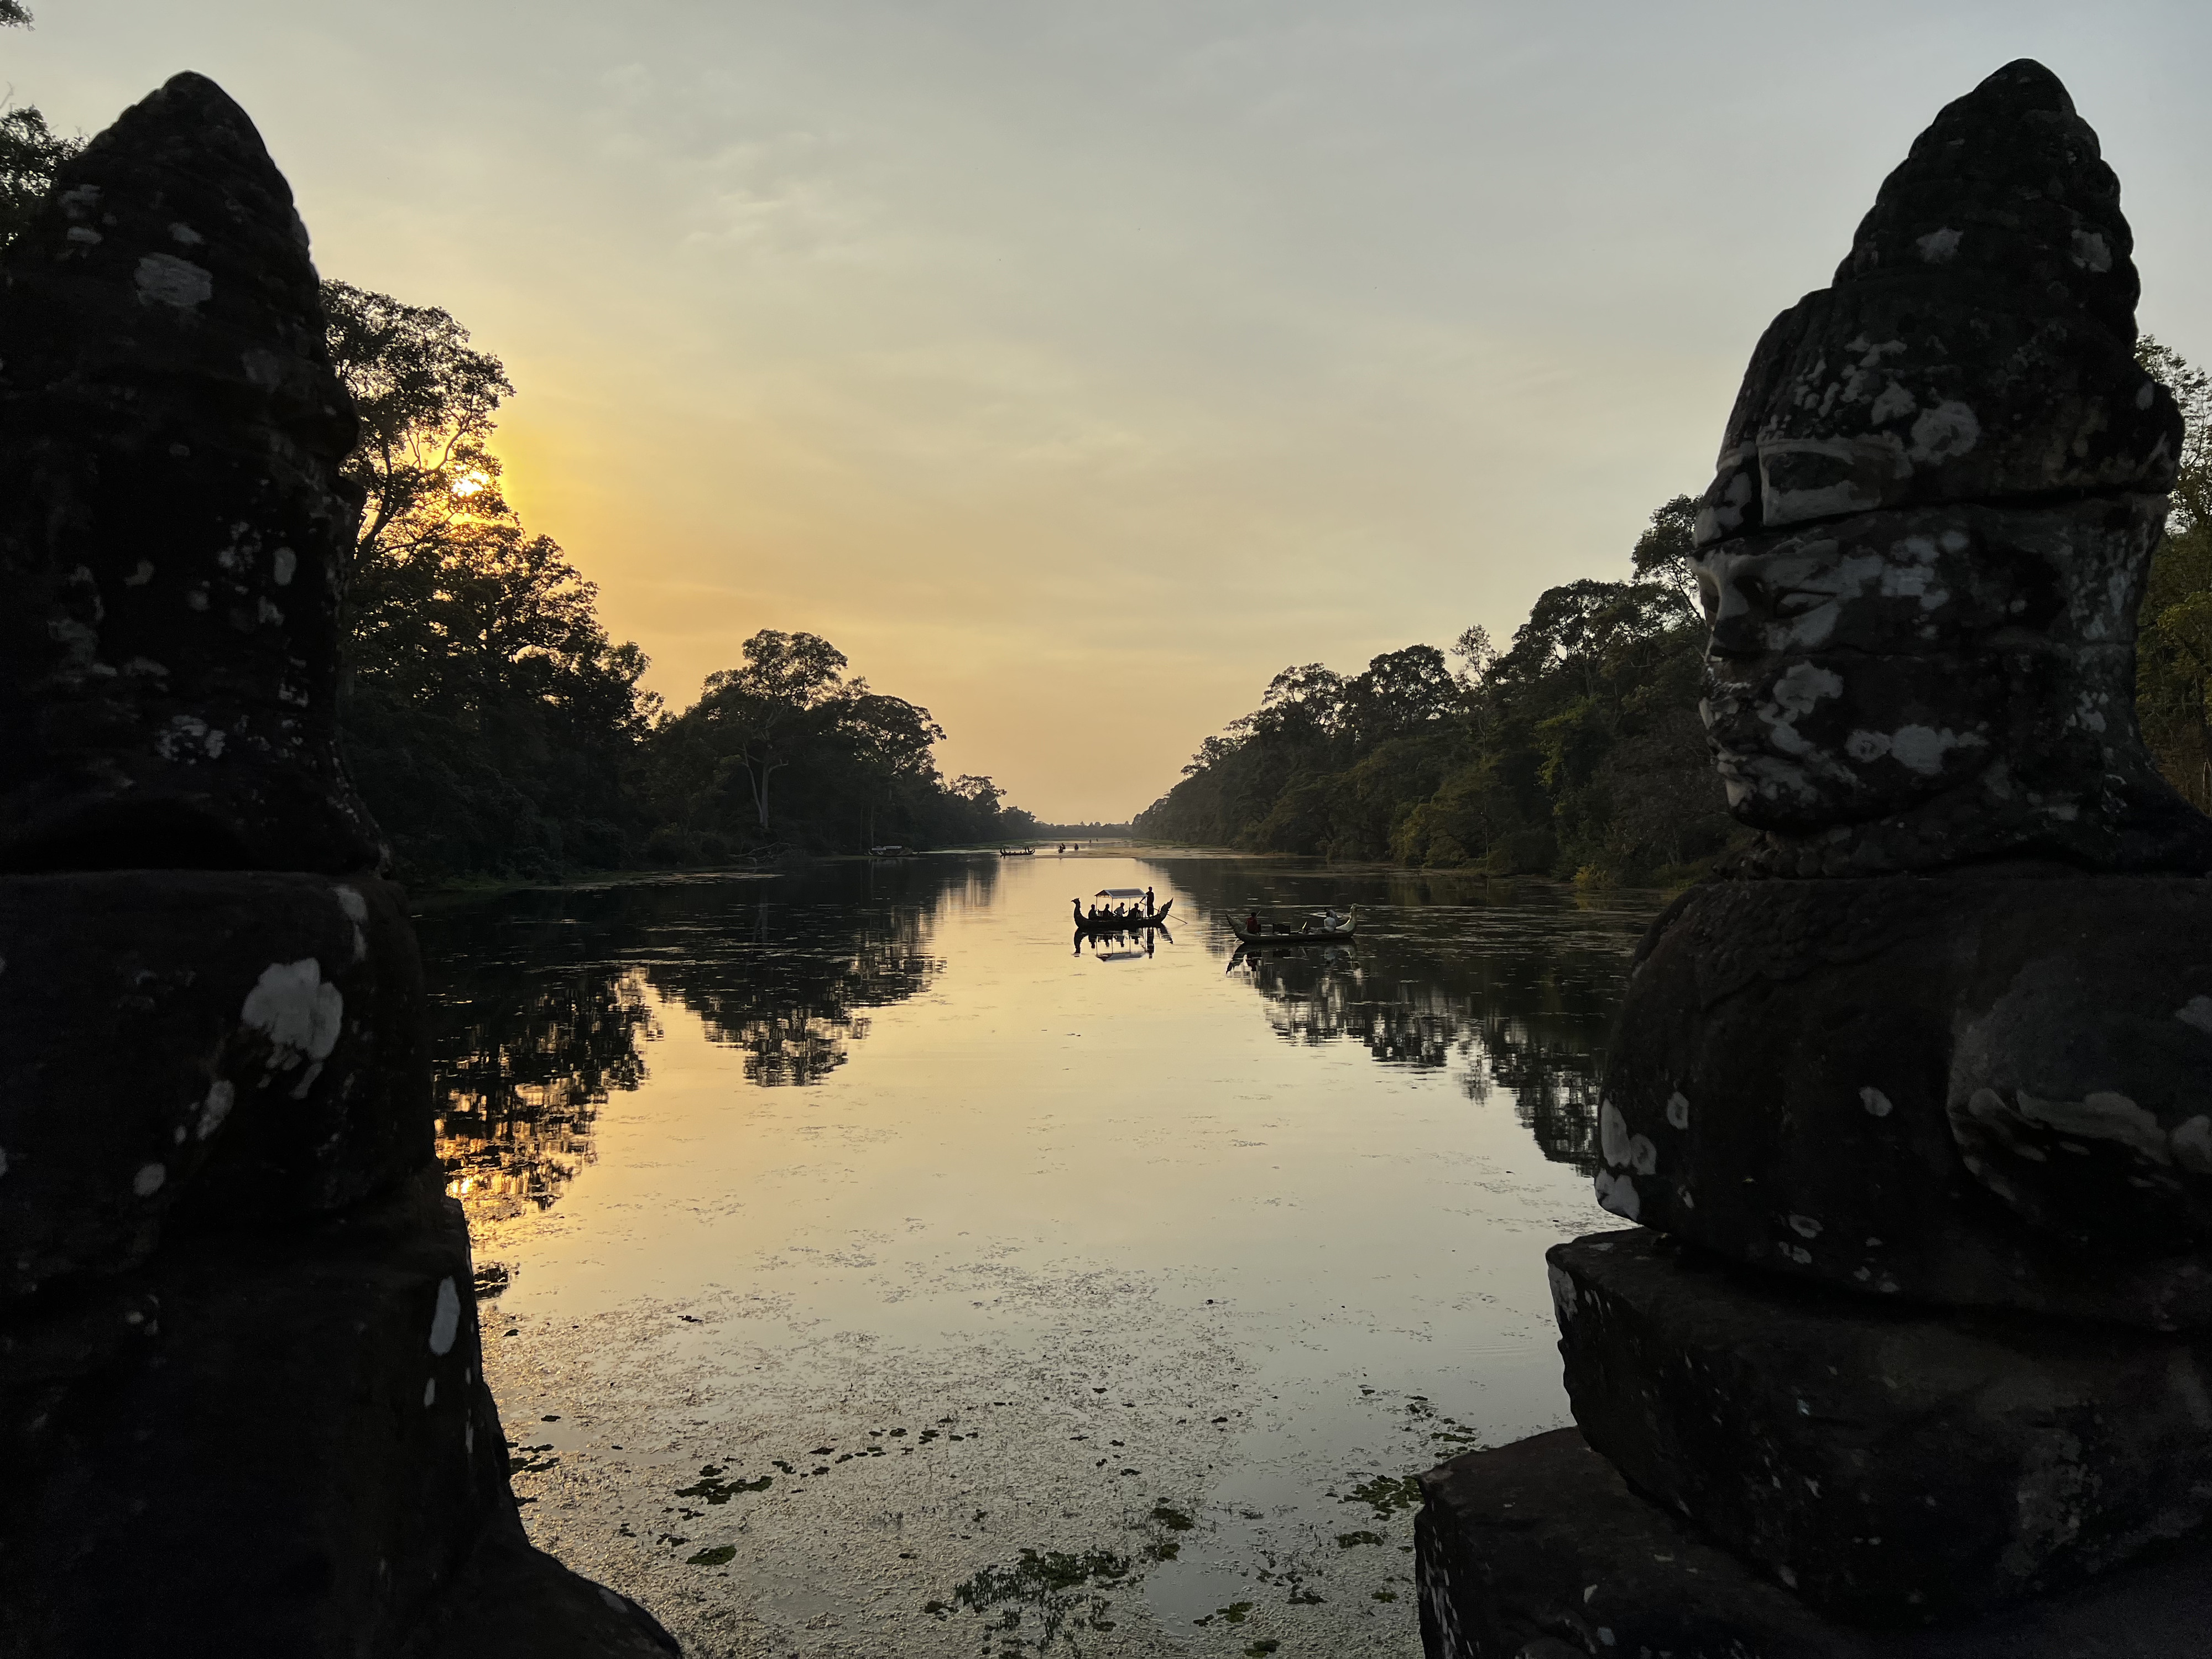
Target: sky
x: 1073, y: 368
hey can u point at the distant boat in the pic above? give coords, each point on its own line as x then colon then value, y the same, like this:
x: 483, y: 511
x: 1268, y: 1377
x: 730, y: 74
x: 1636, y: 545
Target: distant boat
x: 892, y: 850
x: 1020, y: 853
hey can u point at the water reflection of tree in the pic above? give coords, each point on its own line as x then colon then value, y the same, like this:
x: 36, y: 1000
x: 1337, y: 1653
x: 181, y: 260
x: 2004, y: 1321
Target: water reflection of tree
x: 1554, y: 1088
x: 542, y: 1001
x: 795, y: 1001
x: 521, y: 1063
x: 1505, y: 988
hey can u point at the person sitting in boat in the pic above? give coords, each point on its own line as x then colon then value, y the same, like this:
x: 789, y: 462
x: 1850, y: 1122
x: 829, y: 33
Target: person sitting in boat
x: 1252, y: 922
x: 1330, y: 922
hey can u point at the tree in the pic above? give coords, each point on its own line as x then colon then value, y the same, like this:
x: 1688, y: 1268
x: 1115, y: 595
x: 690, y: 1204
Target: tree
x: 1476, y: 653
x: 1665, y: 555
x: 1306, y: 701
x: 2174, y: 657
x: 2192, y: 392
x: 489, y: 718
x: 427, y: 401
x: 786, y: 749
x: 1402, y: 691
x: 30, y: 151
x: 979, y: 792
x: 763, y: 707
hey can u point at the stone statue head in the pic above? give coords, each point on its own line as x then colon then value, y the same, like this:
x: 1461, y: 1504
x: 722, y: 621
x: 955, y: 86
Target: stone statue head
x: 1934, y: 516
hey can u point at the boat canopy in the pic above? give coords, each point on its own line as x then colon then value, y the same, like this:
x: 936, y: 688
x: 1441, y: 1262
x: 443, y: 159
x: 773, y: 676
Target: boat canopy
x: 1119, y: 892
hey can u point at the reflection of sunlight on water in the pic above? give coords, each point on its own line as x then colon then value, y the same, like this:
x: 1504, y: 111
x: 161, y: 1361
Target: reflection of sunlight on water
x: 978, y: 1250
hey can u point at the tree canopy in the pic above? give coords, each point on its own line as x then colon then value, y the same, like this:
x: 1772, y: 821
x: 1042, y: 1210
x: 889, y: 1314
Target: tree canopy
x: 786, y: 744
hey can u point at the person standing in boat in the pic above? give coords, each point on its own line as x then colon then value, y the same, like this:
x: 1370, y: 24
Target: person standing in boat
x: 1148, y: 904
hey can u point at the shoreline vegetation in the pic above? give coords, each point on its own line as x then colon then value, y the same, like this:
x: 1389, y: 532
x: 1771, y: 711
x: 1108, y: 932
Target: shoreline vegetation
x: 1574, y: 753
x: 438, y: 892
x: 501, y: 737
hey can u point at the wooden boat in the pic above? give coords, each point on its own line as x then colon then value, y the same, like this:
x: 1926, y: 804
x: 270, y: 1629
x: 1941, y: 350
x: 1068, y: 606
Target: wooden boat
x: 1020, y: 853
x: 1310, y: 936
x: 1120, y: 924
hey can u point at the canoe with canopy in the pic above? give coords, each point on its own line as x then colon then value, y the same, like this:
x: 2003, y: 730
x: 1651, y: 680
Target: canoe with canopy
x: 1120, y: 924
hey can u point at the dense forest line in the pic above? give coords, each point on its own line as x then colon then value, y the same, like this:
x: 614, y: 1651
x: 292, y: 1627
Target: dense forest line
x: 493, y: 725
x: 1576, y: 750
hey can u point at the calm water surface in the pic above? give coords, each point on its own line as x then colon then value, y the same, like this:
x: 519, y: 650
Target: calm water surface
x: 873, y: 1269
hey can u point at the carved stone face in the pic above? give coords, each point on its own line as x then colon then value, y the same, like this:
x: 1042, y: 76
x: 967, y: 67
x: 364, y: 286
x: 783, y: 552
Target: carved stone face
x: 1861, y: 667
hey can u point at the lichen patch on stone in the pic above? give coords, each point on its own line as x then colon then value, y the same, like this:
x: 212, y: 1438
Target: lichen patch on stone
x: 300, y: 1014
x: 164, y: 279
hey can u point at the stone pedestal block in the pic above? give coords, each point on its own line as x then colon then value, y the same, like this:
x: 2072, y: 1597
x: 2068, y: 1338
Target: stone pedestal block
x: 244, y: 1450
x: 1538, y: 1551
x: 1971, y: 1090
x: 1890, y: 1465
x: 218, y: 1049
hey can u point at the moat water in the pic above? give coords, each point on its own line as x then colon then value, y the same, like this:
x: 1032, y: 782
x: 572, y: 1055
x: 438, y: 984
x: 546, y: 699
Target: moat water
x: 871, y: 1269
